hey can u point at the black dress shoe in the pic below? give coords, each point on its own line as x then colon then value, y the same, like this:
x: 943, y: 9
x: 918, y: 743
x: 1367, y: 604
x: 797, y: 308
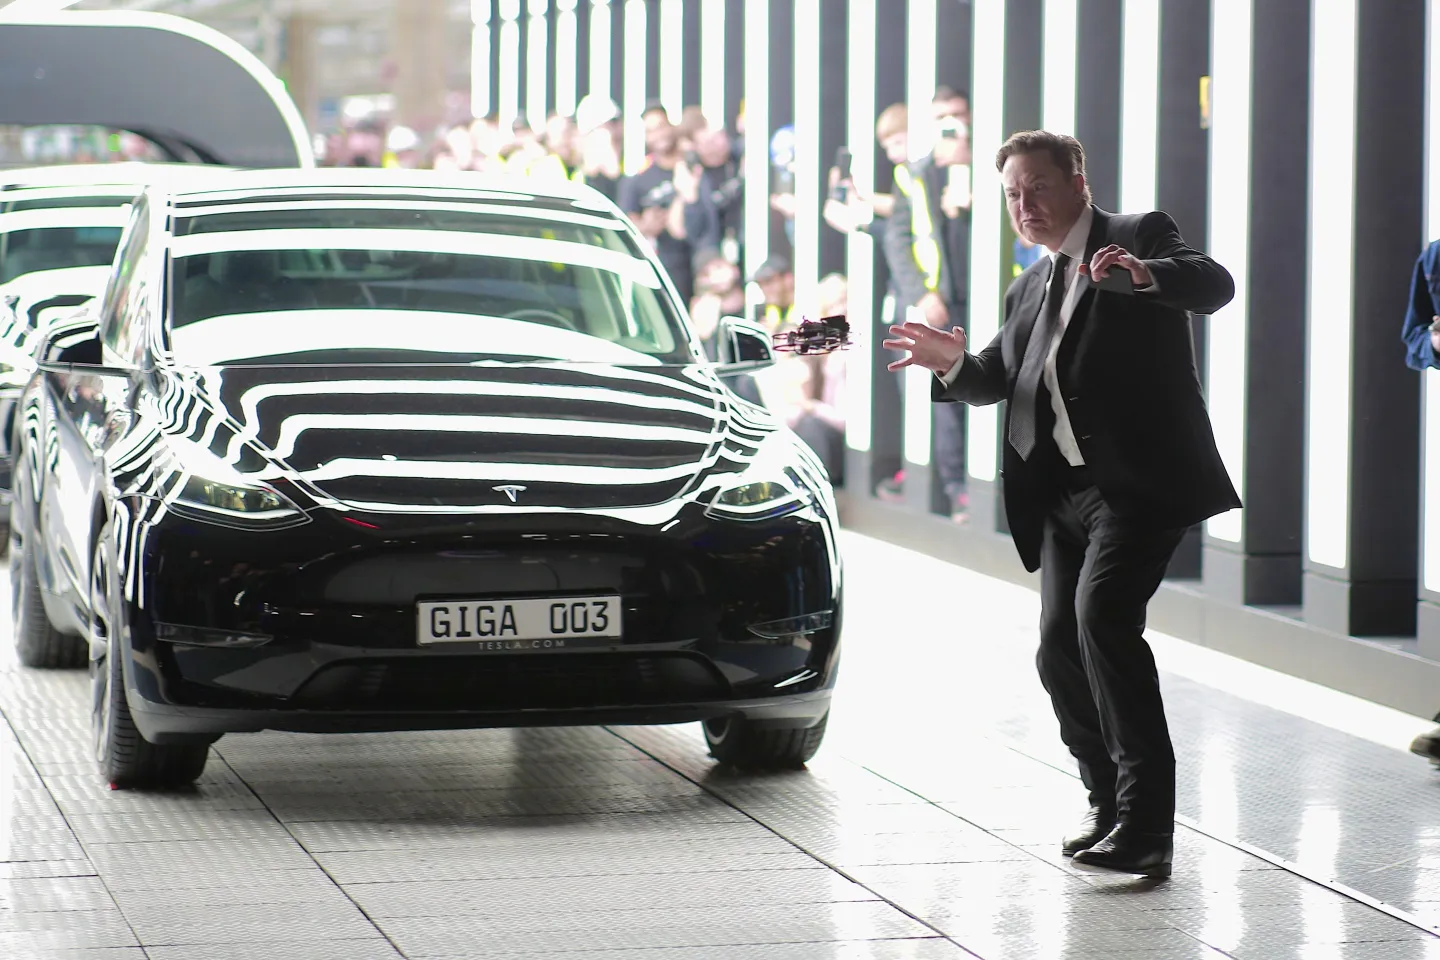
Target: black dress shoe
x: 1129, y: 850
x: 1095, y: 827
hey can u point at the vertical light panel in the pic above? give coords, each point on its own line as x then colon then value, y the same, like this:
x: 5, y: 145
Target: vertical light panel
x: 509, y: 62
x: 634, y: 95
x: 672, y: 57
x: 757, y: 135
x: 1430, y: 481
x: 920, y: 25
x: 1331, y: 294
x: 1231, y: 56
x: 480, y: 58
x: 987, y: 217
x: 920, y: 55
x: 567, y: 43
x: 919, y: 409
x: 1057, y: 111
x: 1140, y: 105
x: 536, y: 70
x: 600, y: 49
x: 809, y: 168
x: 712, y: 61
x: 859, y: 246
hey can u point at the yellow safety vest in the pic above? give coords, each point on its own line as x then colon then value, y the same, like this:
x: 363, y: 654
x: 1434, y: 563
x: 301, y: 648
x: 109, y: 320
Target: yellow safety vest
x: 776, y: 320
x: 925, y: 247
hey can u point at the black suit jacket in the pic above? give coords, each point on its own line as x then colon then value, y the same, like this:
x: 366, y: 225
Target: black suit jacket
x: 1127, y: 369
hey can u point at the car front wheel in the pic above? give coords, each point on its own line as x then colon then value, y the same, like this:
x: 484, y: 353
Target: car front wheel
x: 747, y: 744
x: 127, y: 759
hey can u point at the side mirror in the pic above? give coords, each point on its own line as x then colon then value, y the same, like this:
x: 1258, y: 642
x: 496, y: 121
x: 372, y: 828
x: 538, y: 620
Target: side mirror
x: 744, y: 347
x: 73, y: 340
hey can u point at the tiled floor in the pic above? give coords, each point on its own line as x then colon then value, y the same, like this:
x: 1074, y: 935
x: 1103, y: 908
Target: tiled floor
x: 927, y: 828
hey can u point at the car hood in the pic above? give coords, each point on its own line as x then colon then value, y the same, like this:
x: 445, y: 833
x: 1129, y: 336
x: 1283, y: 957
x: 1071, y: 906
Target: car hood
x: 443, y: 439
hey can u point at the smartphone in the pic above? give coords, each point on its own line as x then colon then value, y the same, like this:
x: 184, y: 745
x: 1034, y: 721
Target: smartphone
x: 1118, y: 280
x: 841, y: 190
x: 692, y: 159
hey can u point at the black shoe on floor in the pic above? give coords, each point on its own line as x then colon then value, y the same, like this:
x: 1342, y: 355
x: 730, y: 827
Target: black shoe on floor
x: 1128, y: 850
x: 1095, y: 827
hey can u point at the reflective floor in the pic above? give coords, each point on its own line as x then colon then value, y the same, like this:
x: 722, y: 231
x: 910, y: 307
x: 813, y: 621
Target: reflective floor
x: 928, y: 827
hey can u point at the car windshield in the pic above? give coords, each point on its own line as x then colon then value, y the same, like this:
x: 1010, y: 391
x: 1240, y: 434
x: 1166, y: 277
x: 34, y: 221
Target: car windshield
x: 414, y: 281
x: 58, y: 233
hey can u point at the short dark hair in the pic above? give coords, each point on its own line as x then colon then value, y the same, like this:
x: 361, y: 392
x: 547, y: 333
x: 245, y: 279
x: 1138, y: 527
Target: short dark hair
x: 1065, y: 150
x: 945, y: 92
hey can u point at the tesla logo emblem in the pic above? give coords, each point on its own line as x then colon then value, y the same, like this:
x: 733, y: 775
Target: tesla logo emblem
x: 510, y: 490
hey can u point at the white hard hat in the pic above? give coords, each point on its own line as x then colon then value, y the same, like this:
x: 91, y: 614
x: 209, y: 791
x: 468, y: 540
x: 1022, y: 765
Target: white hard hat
x: 402, y: 139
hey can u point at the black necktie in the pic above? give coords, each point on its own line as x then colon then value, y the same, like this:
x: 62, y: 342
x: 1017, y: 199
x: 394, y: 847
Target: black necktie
x: 1024, y: 402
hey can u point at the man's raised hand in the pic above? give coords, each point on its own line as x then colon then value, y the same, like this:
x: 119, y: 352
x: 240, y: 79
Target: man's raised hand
x: 932, y: 349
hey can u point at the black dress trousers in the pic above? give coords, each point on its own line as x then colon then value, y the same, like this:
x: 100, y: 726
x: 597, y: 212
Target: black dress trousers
x: 1098, y: 573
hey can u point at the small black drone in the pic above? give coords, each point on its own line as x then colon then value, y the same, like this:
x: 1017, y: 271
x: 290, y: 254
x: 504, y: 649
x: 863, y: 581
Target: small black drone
x: 814, y: 336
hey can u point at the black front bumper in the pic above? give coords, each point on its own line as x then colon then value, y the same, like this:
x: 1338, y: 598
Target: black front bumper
x: 333, y: 615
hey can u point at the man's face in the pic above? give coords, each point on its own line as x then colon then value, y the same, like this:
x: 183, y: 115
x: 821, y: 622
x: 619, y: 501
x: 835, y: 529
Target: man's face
x: 779, y: 289
x: 952, y: 146
x: 896, y: 147
x: 713, y: 146
x: 956, y: 108
x: 719, y: 276
x: 662, y: 140
x: 1043, y: 202
x: 651, y: 221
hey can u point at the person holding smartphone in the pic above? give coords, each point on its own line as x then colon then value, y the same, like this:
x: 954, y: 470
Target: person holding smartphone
x: 927, y: 246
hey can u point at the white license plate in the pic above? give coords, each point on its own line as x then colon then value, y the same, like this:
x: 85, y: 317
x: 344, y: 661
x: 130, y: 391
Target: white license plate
x: 519, y: 626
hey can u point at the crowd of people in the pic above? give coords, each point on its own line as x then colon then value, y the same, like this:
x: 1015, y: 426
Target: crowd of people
x: 686, y: 198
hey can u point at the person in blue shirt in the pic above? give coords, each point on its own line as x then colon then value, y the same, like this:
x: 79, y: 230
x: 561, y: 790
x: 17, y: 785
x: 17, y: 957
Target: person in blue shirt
x: 1422, y: 350
x: 1422, y: 340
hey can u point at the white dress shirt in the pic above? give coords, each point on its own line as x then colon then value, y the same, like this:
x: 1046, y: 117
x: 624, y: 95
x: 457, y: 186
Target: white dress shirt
x: 1074, y: 248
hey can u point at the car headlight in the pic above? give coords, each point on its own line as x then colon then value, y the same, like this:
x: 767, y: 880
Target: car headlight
x: 765, y: 490
x: 214, y: 491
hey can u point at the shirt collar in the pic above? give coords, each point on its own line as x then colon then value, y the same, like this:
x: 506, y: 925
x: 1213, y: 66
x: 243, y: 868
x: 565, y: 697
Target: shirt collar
x: 1079, y: 235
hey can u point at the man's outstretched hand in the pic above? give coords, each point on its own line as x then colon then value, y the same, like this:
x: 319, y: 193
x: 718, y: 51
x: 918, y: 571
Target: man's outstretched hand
x: 932, y: 349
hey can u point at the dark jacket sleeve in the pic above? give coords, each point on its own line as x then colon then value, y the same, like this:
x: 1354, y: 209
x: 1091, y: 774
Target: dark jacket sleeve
x: 900, y: 255
x: 878, y: 227
x: 1419, y: 351
x: 981, y: 380
x: 1187, y: 279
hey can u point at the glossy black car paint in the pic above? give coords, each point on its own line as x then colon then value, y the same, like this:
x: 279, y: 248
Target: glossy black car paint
x: 331, y: 601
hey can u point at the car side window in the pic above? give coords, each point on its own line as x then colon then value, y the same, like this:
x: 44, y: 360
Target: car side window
x: 115, y: 311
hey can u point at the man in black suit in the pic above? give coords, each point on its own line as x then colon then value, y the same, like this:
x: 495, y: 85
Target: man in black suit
x: 1109, y: 458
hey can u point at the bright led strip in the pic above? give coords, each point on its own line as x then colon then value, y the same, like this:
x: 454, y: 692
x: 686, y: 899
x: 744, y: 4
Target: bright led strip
x: 920, y: 26
x: 1331, y: 294
x: 712, y: 61
x: 537, y: 72
x: 672, y: 57
x: 919, y: 412
x: 757, y: 135
x: 1430, y: 385
x: 987, y: 215
x: 480, y: 58
x: 600, y: 49
x: 567, y: 43
x: 1060, y: 38
x: 809, y: 168
x: 859, y: 246
x: 634, y: 94
x: 1229, y: 238
x: 1140, y: 105
x: 509, y: 64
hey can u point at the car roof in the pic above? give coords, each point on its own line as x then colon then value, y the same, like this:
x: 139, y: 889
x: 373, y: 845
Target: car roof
x: 128, y: 174
x: 368, y: 181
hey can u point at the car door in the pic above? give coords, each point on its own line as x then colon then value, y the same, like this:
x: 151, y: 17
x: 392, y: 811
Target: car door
x: 88, y: 413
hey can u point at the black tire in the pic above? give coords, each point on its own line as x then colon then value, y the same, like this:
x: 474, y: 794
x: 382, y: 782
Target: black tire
x: 743, y: 743
x: 37, y: 642
x: 127, y: 760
